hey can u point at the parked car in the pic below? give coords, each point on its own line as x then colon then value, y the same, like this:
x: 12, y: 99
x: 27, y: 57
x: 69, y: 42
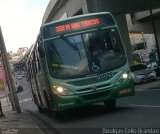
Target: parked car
x: 141, y: 74
x: 19, y: 76
x: 23, y: 74
x: 155, y: 67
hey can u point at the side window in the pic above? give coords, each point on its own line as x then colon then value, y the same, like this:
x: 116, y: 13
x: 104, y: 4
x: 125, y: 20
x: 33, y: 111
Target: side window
x: 40, y: 49
x: 28, y: 71
x: 35, y: 61
x: 40, y: 54
x: 32, y: 72
x: 39, y: 65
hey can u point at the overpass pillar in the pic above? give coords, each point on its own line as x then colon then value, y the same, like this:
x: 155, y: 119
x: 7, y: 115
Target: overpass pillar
x: 157, y: 22
x: 122, y: 24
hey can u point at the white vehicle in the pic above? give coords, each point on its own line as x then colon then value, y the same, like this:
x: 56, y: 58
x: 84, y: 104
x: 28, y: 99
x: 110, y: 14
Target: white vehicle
x: 141, y: 74
x: 19, y: 76
x: 152, y: 65
x: 141, y: 56
x: 23, y: 74
x: 155, y: 67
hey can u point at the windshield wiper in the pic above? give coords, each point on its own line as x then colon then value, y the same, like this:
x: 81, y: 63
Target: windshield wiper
x: 72, y: 45
x: 77, y: 49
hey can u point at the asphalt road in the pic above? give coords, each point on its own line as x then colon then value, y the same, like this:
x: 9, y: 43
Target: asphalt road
x: 139, y: 111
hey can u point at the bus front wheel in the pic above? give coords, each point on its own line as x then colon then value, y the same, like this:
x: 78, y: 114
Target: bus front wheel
x: 58, y: 114
x: 40, y: 109
x: 110, y: 105
x: 61, y: 114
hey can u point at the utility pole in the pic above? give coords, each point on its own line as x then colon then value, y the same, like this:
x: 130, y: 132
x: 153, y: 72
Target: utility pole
x: 8, y: 72
x: 144, y: 42
x: 8, y: 83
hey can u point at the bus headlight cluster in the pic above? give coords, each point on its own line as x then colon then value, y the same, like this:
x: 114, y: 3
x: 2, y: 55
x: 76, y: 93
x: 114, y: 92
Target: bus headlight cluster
x: 61, y: 90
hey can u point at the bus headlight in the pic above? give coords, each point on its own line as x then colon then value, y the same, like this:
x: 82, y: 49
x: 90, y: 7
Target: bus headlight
x: 61, y: 90
x: 123, y: 77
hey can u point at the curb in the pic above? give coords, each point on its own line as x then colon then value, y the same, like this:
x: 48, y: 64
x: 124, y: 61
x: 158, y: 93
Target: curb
x: 23, y: 123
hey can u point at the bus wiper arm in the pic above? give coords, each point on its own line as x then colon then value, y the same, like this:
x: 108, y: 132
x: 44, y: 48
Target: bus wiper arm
x: 77, y: 49
x: 69, y: 43
x: 72, y: 45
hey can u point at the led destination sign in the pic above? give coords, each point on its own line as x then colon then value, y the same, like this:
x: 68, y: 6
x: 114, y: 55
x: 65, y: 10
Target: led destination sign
x: 77, y: 24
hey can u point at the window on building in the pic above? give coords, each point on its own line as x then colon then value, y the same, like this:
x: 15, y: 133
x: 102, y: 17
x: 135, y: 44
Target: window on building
x: 138, y: 46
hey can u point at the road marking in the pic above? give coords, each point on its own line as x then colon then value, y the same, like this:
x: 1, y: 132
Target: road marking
x: 155, y: 89
x: 148, y: 106
x: 25, y: 100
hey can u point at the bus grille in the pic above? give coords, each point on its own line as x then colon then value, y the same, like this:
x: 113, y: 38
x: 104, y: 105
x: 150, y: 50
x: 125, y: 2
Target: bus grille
x: 94, y: 96
x: 89, y: 89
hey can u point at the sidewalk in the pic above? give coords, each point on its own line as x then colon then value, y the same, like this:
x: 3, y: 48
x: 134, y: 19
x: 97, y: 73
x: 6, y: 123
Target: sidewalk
x: 23, y: 123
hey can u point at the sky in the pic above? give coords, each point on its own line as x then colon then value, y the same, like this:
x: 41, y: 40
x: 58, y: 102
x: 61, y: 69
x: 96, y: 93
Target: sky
x: 20, y: 21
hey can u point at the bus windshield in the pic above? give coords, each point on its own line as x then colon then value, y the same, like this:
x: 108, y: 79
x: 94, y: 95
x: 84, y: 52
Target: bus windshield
x: 84, y: 53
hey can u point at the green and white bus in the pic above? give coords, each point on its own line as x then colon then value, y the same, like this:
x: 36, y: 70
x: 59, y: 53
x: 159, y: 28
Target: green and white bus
x: 79, y: 61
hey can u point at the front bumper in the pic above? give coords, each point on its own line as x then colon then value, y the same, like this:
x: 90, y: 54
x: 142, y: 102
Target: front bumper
x: 67, y: 102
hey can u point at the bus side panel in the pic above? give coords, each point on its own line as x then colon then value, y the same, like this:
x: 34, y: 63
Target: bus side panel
x: 43, y: 83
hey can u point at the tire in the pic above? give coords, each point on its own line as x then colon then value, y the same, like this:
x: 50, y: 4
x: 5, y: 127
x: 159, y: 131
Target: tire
x: 60, y: 114
x: 110, y: 105
x: 47, y: 102
x: 34, y: 99
x: 56, y: 114
x: 41, y: 110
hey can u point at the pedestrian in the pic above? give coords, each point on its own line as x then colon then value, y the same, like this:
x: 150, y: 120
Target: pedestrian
x: 18, y: 87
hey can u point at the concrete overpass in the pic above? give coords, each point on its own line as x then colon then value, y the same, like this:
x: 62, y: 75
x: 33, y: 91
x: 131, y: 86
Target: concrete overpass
x: 58, y: 9
x: 141, y: 21
x: 21, y: 63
